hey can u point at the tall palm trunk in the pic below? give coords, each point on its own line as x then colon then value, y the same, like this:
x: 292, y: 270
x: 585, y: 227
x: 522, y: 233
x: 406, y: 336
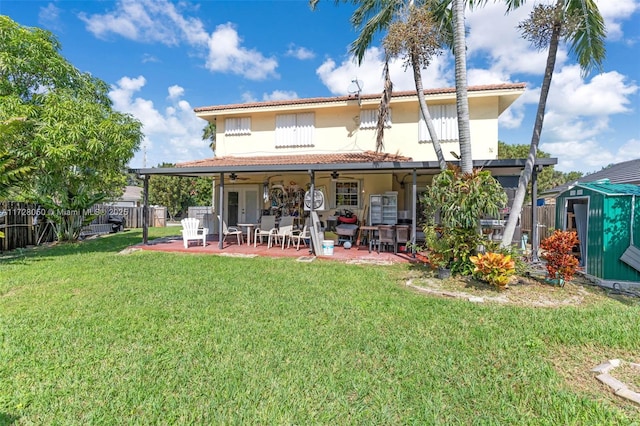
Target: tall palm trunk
x: 424, y: 110
x: 516, y: 207
x: 462, y: 100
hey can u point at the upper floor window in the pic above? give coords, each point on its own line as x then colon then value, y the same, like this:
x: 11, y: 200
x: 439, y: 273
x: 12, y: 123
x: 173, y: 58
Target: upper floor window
x: 445, y: 120
x: 237, y: 126
x: 369, y: 119
x: 294, y: 130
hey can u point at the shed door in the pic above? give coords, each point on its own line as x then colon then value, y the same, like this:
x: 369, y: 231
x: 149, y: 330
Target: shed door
x: 580, y: 212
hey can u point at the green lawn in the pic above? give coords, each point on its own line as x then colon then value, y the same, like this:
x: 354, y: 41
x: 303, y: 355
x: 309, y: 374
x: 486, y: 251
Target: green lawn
x: 90, y: 336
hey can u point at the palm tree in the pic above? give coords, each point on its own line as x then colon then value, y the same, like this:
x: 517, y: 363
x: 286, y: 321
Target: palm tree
x: 209, y: 133
x: 418, y: 38
x: 462, y: 100
x: 372, y: 16
x: 580, y: 22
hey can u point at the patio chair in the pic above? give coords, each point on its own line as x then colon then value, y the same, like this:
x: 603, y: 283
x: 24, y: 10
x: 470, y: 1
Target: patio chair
x: 387, y: 237
x: 298, y: 236
x: 191, y: 231
x: 266, y: 227
x: 231, y: 230
x: 285, y: 228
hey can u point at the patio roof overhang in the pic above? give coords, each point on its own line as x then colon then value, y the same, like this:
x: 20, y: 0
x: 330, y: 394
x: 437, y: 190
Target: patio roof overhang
x: 365, y: 163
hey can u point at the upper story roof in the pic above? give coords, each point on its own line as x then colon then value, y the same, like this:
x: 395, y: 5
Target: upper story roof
x: 507, y: 91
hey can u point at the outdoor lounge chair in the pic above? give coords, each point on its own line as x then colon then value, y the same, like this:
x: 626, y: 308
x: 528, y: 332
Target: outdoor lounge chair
x: 191, y: 231
x: 231, y: 230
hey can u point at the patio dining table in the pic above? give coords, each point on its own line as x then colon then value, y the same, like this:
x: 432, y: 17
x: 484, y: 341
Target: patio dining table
x: 249, y: 227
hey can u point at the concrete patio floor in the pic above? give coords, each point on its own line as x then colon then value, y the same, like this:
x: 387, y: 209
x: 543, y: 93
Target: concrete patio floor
x: 231, y: 248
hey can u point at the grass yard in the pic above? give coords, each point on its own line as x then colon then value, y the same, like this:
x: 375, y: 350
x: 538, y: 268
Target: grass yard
x: 90, y: 336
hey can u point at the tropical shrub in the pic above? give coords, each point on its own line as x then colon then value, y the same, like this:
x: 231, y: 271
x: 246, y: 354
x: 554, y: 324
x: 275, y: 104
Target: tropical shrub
x: 557, y: 250
x: 453, y: 204
x: 494, y: 268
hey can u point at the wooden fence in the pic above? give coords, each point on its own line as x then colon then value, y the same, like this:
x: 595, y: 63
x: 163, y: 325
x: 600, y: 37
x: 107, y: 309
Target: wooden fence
x: 546, y: 220
x: 132, y: 215
x: 21, y: 226
x: 24, y: 225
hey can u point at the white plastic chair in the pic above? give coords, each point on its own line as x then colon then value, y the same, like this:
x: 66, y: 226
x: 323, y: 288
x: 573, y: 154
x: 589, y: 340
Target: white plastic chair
x: 298, y: 236
x: 266, y: 227
x: 285, y: 228
x: 191, y: 231
x: 231, y: 230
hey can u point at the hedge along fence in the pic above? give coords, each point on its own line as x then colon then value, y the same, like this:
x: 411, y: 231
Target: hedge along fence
x: 24, y: 224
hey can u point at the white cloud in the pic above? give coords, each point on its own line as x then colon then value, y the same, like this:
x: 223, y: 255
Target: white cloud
x: 280, y: 95
x: 590, y: 155
x: 175, y: 91
x: 49, y: 17
x: 300, y: 52
x: 613, y: 12
x: 162, y: 21
x: 147, y: 21
x: 227, y: 55
x: 338, y: 78
x: 170, y: 136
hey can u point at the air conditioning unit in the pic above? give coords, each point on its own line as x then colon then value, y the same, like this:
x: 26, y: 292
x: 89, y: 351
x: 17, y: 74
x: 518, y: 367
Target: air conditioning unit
x: 318, y: 200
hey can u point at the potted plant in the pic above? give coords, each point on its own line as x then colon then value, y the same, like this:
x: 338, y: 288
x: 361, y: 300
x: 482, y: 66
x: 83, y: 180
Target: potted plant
x: 561, y: 264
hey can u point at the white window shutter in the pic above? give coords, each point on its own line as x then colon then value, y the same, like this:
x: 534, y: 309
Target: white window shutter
x: 293, y: 130
x: 234, y: 126
x: 445, y: 121
x: 369, y: 119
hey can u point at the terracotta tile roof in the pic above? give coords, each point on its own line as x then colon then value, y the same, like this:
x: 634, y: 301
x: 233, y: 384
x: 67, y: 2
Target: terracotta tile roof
x: 266, y: 104
x: 336, y: 158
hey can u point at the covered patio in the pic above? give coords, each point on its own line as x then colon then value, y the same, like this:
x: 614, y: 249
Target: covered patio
x: 355, y: 255
x: 365, y: 165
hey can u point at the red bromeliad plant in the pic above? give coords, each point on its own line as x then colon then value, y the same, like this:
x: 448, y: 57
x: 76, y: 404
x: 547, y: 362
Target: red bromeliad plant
x: 495, y: 268
x: 557, y: 252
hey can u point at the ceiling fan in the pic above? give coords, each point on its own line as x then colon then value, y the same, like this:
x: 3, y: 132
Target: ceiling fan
x: 233, y: 177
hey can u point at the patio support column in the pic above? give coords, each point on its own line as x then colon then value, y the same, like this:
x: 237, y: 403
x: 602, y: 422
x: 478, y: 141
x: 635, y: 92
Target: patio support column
x: 145, y: 211
x: 534, y: 215
x: 221, y: 211
x: 312, y: 191
x: 414, y: 208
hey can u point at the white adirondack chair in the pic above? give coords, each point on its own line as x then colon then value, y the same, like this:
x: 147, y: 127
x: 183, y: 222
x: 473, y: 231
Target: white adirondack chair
x: 191, y: 231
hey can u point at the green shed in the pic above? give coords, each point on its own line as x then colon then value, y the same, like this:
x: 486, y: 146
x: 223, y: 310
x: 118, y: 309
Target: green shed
x: 606, y: 217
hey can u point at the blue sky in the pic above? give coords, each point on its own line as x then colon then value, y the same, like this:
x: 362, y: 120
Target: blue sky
x: 164, y: 58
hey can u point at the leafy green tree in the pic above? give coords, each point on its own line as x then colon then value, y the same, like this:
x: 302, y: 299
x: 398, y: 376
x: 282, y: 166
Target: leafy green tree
x: 62, y: 125
x: 580, y: 23
x: 177, y: 194
x: 548, y: 178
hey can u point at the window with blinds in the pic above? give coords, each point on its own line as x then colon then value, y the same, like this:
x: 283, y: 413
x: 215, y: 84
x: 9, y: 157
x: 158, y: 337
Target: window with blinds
x: 295, y: 130
x: 445, y: 120
x: 369, y: 119
x: 237, y: 126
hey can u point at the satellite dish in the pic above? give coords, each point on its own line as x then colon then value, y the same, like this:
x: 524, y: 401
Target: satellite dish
x: 356, y: 86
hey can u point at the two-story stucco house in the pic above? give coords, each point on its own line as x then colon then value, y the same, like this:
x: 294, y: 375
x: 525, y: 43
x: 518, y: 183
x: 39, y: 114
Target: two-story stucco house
x: 270, y: 154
